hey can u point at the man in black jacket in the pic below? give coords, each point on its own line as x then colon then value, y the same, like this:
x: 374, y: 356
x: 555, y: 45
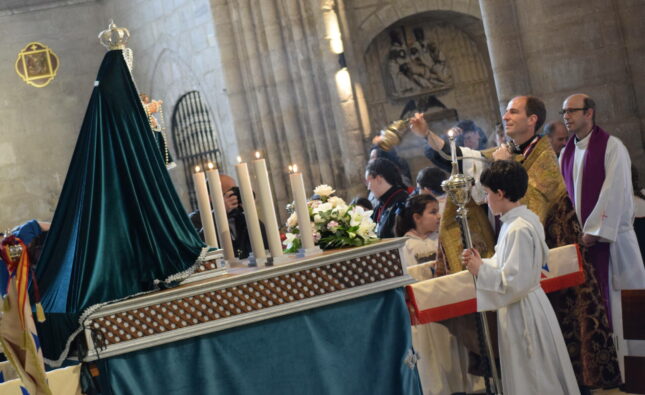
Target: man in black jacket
x: 236, y: 220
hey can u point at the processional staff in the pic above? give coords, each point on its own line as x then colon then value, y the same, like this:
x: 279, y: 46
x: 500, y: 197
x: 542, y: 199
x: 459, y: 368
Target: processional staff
x: 458, y: 187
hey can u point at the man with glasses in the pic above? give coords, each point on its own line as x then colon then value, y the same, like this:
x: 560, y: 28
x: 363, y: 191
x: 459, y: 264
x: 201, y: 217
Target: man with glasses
x: 597, y: 172
x: 588, y: 340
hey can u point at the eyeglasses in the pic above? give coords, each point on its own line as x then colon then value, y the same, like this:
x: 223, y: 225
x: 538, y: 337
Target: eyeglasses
x: 571, y: 110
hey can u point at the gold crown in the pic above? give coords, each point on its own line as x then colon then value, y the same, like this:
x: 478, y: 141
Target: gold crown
x: 114, y: 37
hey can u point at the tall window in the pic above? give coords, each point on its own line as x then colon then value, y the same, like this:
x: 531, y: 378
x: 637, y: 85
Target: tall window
x: 195, y: 138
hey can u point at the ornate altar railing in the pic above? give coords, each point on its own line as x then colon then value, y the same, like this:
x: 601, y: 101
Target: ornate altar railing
x: 244, y: 295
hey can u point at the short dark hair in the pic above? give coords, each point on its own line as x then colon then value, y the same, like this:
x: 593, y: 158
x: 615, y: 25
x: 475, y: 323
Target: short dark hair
x: 431, y: 178
x: 508, y: 176
x: 535, y: 106
x: 549, y: 128
x: 363, y: 202
x: 386, y: 169
x: 414, y: 205
x: 590, y: 104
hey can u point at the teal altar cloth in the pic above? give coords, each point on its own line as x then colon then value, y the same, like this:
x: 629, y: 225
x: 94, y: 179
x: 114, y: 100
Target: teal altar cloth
x: 360, y: 346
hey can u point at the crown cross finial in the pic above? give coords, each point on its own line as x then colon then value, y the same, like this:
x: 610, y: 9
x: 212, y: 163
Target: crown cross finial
x: 114, y: 37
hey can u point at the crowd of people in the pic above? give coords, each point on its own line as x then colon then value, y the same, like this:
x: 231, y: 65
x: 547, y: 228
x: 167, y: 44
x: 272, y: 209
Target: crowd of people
x: 571, y: 184
x: 574, y: 183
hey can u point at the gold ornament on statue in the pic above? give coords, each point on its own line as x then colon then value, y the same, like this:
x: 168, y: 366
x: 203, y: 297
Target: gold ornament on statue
x: 114, y: 37
x: 37, y: 64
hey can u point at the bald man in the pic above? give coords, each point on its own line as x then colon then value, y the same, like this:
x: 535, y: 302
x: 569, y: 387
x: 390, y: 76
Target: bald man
x: 597, y: 173
x: 558, y: 135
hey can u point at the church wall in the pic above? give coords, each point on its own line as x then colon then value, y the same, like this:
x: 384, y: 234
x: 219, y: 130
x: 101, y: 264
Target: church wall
x: 556, y: 48
x: 457, y: 24
x: 471, y: 92
x: 289, y: 98
x: 176, y: 51
x: 40, y: 126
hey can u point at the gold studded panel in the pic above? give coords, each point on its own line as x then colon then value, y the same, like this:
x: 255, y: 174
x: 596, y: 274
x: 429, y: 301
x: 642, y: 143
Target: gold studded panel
x: 206, y: 266
x: 211, y: 305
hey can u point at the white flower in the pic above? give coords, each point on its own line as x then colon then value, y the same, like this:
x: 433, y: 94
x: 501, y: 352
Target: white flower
x: 324, y: 190
x: 356, y: 215
x: 335, y: 201
x: 321, y: 208
x: 292, y: 221
x: 317, y: 236
x: 366, y: 228
x: 290, y: 237
x: 317, y: 219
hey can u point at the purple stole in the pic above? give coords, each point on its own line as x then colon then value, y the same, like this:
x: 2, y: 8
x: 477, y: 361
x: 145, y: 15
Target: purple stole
x: 593, y: 176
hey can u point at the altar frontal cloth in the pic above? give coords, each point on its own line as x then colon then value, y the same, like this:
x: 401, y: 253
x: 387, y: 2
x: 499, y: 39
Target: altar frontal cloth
x: 453, y: 295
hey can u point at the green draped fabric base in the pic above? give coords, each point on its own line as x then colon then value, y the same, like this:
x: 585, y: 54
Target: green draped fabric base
x: 354, y: 347
x: 119, y: 225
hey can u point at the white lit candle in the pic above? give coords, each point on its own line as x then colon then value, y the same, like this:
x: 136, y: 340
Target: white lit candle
x: 221, y: 218
x: 302, y: 211
x: 453, y: 147
x: 250, y: 211
x: 204, y: 206
x: 266, y: 201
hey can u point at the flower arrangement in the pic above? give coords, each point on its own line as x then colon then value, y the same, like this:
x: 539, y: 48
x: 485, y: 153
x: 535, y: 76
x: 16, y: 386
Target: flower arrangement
x: 335, y: 223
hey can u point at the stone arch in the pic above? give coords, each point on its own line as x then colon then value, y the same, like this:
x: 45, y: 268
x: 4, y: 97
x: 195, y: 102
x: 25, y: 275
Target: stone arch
x: 392, y: 11
x: 170, y: 78
x: 472, y: 94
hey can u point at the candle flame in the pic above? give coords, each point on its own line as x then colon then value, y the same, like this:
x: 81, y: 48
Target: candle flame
x: 211, y: 165
x: 257, y: 154
x: 290, y: 168
x: 451, y: 133
x: 197, y: 169
x: 239, y: 159
x: 295, y: 168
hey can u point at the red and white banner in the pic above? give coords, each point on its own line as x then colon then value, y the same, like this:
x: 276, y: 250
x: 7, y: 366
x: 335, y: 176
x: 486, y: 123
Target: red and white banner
x: 453, y: 295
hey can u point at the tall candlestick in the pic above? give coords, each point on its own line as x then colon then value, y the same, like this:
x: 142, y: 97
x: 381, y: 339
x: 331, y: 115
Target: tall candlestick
x: 250, y: 211
x: 453, y: 151
x: 266, y: 201
x: 302, y: 211
x: 204, y: 206
x: 217, y: 197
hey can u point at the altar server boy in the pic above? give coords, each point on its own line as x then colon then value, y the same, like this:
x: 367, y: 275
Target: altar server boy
x: 532, y: 351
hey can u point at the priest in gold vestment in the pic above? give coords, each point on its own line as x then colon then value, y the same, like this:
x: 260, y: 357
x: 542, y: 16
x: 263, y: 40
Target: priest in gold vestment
x: 579, y: 309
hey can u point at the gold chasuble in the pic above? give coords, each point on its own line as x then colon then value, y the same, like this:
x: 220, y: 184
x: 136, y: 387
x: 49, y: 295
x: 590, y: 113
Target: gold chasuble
x: 579, y: 309
x: 546, y: 189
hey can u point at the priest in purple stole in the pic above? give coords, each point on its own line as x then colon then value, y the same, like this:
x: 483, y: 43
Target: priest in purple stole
x: 597, y: 174
x: 580, y: 311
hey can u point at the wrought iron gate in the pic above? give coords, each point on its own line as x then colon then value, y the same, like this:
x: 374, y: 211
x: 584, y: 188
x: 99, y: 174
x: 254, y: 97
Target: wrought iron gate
x: 195, y: 139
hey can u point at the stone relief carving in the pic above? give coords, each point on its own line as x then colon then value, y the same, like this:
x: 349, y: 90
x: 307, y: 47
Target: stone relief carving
x: 414, y: 65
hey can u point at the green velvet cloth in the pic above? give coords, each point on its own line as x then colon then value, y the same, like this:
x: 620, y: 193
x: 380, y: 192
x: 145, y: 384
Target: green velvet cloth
x: 354, y: 347
x: 119, y: 224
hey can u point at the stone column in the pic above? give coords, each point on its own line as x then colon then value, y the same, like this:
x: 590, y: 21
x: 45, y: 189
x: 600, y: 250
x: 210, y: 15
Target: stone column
x: 554, y: 49
x: 506, y: 49
x: 279, y: 74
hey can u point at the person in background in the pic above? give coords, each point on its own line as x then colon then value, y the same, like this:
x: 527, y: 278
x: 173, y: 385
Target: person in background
x: 384, y: 181
x: 393, y: 156
x: 236, y: 220
x: 442, y: 363
x: 429, y: 181
x: 557, y: 134
x: 363, y: 202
